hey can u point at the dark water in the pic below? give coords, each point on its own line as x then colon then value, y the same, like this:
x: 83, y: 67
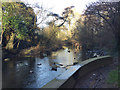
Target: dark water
x: 36, y: 72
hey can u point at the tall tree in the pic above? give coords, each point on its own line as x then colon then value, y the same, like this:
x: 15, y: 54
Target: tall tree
x: 109, y: 14
x: 18, y: 21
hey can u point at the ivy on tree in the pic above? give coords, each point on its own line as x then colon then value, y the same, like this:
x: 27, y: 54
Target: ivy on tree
x: 18, y: 22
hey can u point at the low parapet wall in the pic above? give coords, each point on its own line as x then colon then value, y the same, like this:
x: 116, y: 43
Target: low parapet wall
x: 69, y: 78
x: 86, y: 67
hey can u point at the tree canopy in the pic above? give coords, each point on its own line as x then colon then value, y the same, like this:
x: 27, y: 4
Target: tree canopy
x: 18, y: 19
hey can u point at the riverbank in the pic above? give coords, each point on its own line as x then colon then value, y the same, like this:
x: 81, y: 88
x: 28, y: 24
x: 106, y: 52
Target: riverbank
x: 39, y: 51
x: 35, y: 51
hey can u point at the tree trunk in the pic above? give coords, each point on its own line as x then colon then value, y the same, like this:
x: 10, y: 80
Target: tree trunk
x: 18, y: 44
x: 10, y: 44
x: 1, y: 38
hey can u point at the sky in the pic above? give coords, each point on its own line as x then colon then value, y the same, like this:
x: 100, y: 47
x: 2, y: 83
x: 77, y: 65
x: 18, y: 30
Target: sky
x: 59, y: 5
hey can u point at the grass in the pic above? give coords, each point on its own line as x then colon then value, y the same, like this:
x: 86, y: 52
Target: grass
x: 113, y: 78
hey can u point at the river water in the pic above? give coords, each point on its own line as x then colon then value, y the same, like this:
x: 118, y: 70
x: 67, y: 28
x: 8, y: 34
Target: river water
x: 32, y: 72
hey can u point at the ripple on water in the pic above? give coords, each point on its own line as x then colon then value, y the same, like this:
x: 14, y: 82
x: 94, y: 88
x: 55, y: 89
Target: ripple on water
x: 36, y: 72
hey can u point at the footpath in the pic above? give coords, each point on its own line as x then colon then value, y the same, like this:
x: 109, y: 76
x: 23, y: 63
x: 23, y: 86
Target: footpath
x: 98, y: 78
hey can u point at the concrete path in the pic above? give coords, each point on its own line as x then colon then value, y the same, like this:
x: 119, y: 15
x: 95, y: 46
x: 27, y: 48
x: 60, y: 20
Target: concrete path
x: 97, y: 78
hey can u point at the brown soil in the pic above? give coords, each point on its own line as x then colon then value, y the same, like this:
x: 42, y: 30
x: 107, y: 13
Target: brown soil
x: 98, y: 78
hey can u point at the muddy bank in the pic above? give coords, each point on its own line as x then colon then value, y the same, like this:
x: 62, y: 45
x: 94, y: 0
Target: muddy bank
x: 39, y: 51
x: 35, y: 51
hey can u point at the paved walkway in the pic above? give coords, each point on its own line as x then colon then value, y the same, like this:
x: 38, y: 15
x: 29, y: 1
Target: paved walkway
x: 97, y: 78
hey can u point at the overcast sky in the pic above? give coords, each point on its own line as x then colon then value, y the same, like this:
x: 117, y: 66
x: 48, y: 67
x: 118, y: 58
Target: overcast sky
x: 59, y: 5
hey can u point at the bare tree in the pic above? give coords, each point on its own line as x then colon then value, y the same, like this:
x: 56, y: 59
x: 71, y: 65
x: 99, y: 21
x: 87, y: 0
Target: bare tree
x: 109, y: 14
x: 64, y: 17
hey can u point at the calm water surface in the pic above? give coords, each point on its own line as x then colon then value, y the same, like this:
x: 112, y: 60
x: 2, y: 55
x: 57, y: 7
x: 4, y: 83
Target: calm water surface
x: 36, y: 72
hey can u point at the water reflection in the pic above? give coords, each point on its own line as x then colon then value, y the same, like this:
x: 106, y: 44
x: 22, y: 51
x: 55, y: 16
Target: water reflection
x: 15, y: 72
x: 36, y: 72
x: 65, y: 57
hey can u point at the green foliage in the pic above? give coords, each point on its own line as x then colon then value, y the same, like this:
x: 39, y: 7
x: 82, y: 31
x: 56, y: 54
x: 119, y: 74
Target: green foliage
x: 17, y: 18
x: 113, y: 77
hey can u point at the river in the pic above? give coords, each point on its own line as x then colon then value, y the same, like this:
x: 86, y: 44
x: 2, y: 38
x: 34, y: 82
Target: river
x: 29, y: 72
